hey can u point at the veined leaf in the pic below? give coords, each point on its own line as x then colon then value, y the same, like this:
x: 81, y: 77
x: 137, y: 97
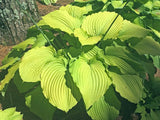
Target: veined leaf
x: 33, y: 62
x: 102, y: 111
x: 130, y: 30
x: 124, y: 67
x: 98, y: 23
x: 9, y: 75
x: 10, y: 114
x: 91, y: 79
x: 77, y: 12
x: 84, y: 37
x: 61, y: 19
x: 95, y: 26
x: 147, y: 46
x: 54, y: 85
x: 129, y: 86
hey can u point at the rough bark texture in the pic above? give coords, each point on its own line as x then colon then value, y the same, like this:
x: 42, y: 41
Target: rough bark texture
x: 13, y: 21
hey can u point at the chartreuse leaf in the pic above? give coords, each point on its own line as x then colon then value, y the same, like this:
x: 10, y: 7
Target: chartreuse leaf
x: 129, y: 86
x: 102, y: 111
x: 84, y: 37
x: 39, y: 105
x: 9, y: 75
x: 124, y: 67
x: 147, y: 45
x: 40, y: 64
x: 10, y: 114
x: 77, y: 12
x: 91, y: 79
x: 33, y: 62
x: 10, y: 62
x: 54, y: 86
x: 130, y: 30
x: 62, y: 20
x: 95, y: 26
x: 23, y: 45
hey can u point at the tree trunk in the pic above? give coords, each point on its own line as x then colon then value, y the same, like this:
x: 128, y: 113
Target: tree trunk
x: 13, y: 22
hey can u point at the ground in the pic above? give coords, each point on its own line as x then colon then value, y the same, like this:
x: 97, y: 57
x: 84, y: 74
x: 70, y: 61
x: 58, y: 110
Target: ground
x: 43, y: 10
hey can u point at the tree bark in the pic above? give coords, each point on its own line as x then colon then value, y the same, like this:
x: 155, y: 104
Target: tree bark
x: 14, y: 22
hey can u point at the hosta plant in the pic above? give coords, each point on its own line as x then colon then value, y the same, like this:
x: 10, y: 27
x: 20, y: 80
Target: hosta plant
x: 88, y: 63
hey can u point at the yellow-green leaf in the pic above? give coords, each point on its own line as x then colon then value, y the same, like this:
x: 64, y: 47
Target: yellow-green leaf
x: 54, y: 86
x: 102, y: 111
x: 129, y: 86
x: 33, y: 62
x: 91, y: 79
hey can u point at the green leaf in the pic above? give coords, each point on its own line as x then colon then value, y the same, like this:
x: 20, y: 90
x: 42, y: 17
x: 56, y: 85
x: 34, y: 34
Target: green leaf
x: 129, y: 86
x: 10, y: 62
x: 54, y: 86
x: 10, y: 114
x: 147, y: 46
x: 91, y: 79
x: 23, y: 45
x: 102, y: 111
x: 21, y: 85
x: 9, y: 75
x: 39, y: 105
x: 77, y: 12
x: 33, y: 62
x: 112, y: 99
x: 84, y: 37
x: 130, y: 30
x: 124, y: 67
x: 62, y: 20
x: 95, y: 26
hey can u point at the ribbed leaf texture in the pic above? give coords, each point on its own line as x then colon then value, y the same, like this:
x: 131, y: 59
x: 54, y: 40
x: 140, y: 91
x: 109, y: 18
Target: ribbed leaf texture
x: 91, y: 79
x: 54, y: 86
x: 42, y: 64
x: 129, y: 86
x: 62, y: 20
x: 96, y: 25
x: 33, y: 62
x: 103, y: 111
x: 130, y: 30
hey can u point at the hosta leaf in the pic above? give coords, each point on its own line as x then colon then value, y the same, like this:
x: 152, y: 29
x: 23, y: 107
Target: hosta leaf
x: 95, y: 26
x: 124, y: 67
x: 130, y: 30
x: 84, y: 37
x: 23, y: 45
x: 39, y: 105
x: 147, y: 46
x: 61, y: 19
x: 10, y: 61
x: 77, y: 12
x: 91, y: 79
x: 103, y: 111
x: 9, y: 75
x: 54, y: 86
x: 129, y: 86
x: 10, y: 114
x: 33, y: 62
